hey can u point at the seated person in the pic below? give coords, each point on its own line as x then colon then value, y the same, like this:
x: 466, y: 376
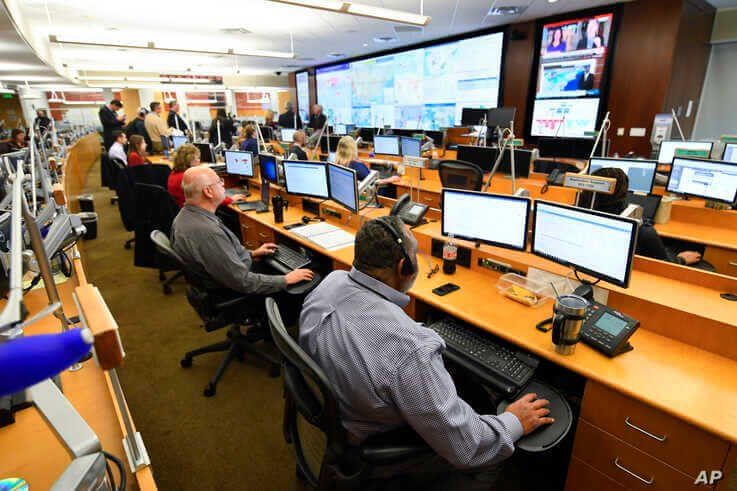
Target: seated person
x: 649, y: 243
x: 17, y: 140
x: 136, y: 151
x: 269, y: 119
x: 250, y: 144
x: 186, y: 156
x: 347, y: 156
x: 298, y: 147
x: 387, y: 370
x: 210, y: 250
x: 117, y: 149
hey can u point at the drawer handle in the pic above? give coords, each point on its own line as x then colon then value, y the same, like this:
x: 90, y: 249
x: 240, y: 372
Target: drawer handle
x: 620, y: 466
x: 733, y: 263
x: 427, y: 199
x: 661, y: 439
x: 263, y: 236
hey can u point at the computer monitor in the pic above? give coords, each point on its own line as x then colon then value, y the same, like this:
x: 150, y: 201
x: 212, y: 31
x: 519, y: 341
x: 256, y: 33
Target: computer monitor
x: 711, y: 179
x: 471, y: 116
x: 329, y: 143
x: 668, y: 149
x: 287, y: 135
x: 331, y: 157
x: 178, y: 141
x: 239, y: 163
x: 596, y: 243
x: 306, y: 178
x: 386, y: 145
x: 343, y: 186
x: 495, y: 219
x: 575, y: 148
x: 366, y: 134
x: 501, y: 117
x: 268, y: 168
x: 206, y: 154
x: 522, y: 162
x: 484, y: 157
x: 339, y: 129
x: 411, y: 147
x: 730, y: 152
x: 641, y: 173
x: 267, y: 132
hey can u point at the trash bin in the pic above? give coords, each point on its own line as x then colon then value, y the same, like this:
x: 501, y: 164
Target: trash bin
x: 89, y: 220
x: 86, y: 203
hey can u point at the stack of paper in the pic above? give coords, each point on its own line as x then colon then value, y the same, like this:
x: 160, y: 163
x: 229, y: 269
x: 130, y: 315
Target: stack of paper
x: 325, y: 235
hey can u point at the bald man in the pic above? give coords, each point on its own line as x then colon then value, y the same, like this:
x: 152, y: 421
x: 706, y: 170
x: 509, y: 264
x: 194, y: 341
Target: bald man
x: 211, y: 251
x: 298, y: 146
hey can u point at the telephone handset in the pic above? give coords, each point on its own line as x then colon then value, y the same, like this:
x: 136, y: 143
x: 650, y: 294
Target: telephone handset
x: 411, y: 212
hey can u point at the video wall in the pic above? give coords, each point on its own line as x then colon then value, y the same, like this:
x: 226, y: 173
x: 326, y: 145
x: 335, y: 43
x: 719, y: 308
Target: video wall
x: 303, y: 95
x: 571, y: 75
x: 417, y: 88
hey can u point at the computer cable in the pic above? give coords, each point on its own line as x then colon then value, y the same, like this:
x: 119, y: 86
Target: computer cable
x: 121, y: 470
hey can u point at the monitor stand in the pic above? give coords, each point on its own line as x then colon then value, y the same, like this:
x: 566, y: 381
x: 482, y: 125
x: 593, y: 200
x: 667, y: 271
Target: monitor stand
x: 311, y: 206
x: 265, y: 193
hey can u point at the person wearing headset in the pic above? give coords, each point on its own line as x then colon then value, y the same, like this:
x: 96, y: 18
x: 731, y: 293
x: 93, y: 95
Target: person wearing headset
x: 387, y: 370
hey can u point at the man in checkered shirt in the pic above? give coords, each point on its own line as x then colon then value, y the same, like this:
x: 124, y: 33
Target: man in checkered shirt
x: 387, y: 370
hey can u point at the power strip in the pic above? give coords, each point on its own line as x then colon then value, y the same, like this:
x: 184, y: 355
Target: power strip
x: 499, y: 267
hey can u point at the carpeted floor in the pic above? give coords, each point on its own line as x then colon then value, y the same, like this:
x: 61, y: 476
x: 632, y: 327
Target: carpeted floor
x: 230, y: 442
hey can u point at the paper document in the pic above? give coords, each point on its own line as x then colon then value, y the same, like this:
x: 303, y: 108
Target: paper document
x: 326, y: 236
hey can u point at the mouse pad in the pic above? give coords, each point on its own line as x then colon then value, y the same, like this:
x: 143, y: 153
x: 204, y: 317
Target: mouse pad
x: 547, y: 436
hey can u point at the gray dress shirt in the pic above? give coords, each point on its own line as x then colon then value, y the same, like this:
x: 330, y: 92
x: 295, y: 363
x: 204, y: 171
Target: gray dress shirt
x: 387, y: 371
x: 211, y: 250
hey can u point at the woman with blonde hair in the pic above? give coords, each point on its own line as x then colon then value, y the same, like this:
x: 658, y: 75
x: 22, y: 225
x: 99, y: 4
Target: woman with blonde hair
x: 187, y: 156
x: 347, y: 155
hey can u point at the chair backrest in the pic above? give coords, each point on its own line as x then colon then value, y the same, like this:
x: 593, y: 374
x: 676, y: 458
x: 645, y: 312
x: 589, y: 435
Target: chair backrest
x: 126, y: 197
x: 321, y: 410
x: 163, y: 245
x: 458, y: 174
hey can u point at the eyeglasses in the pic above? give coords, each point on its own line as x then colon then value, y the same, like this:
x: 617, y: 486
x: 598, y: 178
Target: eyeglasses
x: 219, y: 181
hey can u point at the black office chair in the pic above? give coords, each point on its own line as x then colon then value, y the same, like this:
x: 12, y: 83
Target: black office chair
x: 124, y: 186
x: 458, y: 174
x: 311, y: 407
x: 160, y: 209
x: 219, y: 307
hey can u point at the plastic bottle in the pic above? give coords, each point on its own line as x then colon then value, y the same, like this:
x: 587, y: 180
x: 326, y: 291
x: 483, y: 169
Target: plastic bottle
x: 450, y: 254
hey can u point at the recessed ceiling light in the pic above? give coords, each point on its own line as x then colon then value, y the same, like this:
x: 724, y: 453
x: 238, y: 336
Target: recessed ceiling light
x: 510, y: 10
x: 385, y: 39
x: 235, y: 30
x: 351, y: 31
x: 365, y: 45
x: 336, y: 55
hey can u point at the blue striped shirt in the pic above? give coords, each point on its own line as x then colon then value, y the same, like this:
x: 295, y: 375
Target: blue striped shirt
x: 387, y: 371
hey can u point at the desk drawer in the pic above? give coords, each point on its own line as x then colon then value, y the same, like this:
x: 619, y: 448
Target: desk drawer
x: 583, y: 477
x: 430, y: 199
x: 254, y: 234
x: 724, y: 260
x: 625, y: 464
x: 669, y: 439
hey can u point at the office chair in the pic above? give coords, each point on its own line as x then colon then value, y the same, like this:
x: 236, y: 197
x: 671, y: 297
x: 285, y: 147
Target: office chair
x: 126, y: 198
x: 458, y: 174
x: 160, y: 209
x: 219, y: 307
x: 311, y: 405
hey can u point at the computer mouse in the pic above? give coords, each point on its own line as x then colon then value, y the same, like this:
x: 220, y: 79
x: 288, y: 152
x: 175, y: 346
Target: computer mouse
x: 729, y: 296
x: 546, y: 436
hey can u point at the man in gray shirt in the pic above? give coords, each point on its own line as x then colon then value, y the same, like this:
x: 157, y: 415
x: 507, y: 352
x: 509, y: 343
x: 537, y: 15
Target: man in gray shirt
x: 212, y: 251
x: 387, y: 370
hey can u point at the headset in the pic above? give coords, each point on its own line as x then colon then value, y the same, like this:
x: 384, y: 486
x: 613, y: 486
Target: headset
x: 407, y: 268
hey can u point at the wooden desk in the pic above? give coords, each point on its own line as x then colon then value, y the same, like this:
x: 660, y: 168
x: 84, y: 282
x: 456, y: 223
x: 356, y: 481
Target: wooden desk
x: 674, y: 383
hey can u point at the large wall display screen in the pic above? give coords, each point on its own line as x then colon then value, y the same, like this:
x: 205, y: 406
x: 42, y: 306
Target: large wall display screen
x: 303, y: 95
x: 418, y: 88
x: 571, y: 75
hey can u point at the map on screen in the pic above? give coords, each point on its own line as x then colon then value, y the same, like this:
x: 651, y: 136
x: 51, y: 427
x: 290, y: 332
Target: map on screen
x: 421, y: 88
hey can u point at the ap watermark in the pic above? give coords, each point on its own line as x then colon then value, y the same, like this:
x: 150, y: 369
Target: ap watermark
x: 708, y: 478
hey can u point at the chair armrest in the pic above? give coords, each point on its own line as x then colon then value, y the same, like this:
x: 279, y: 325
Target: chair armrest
x: 394, y: 453
x: 232, y: 302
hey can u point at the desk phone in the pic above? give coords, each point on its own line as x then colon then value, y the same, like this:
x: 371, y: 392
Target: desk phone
x: 411, y: 212
x: 607, y: 330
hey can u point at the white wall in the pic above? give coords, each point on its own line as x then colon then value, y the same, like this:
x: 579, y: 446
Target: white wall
x: 718, y: 110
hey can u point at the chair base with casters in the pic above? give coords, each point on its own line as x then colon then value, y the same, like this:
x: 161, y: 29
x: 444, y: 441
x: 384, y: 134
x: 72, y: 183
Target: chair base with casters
x: 129, y: 243
x: 166, y: 282
x: 237, y: 345
x: 309, y: 399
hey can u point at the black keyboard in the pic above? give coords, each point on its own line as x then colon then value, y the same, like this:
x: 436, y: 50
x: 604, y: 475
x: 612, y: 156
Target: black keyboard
x: 258, y: 206
x: 502, y: 366
x: 289, y: 258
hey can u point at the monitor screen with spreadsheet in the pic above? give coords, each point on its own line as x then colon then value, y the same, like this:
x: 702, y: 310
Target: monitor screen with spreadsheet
x: 343, y: 186
x: 641, y: 173
x: 386, y: 145
x: 596, y: 243
x: 287, y: 135
x: 709, y: 179
x: 306, y: 178
x: 730, y: 152
x: 494, y: 219
x: 668, y: 149
x: 411, y: 146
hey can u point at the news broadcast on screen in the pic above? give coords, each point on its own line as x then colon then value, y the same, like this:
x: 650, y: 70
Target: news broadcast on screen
x: 571, y: 76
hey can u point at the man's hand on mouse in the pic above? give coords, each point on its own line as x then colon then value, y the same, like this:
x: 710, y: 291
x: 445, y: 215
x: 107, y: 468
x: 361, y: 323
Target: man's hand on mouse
x: 531, y: 412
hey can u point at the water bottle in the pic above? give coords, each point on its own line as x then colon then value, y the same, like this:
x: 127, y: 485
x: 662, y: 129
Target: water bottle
x: 450, y: 254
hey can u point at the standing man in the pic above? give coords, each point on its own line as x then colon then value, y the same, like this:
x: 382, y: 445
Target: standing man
x: 111, y: 121
x: 317, y: 118
x: 138, y: 127
x: 287, y: 119
x: 42, y: 121
x: 174, y: 120
x: 156, y: 128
